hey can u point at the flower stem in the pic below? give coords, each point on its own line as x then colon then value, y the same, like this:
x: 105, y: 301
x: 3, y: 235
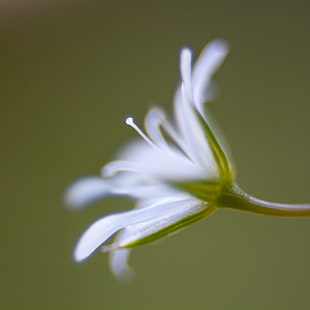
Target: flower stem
x: 234, y: 198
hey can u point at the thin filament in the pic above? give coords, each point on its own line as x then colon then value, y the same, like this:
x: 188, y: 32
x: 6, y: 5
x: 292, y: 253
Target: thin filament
x: 130, y: 122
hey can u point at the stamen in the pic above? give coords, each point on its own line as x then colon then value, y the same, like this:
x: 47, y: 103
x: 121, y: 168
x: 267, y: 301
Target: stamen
x: 130, y: 122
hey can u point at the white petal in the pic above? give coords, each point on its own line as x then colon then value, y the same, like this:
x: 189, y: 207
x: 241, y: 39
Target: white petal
x: 186, y: 72
x: 160, y: 193
x: 118, y: 259
x: 136, y: 180
x: 165, y: 165
x: 116, y: 166
x: 141, y: 188
x: 118, y: 262
x: 183, y: 209
x: 104, y: 228
x: 208, y: 62
x: 85, y: 191
x: 153, y: 121
x: 197, y: 145
x: 144, y: 191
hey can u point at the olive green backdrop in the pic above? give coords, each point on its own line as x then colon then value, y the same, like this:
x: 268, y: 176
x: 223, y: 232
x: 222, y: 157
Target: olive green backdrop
x: 71, y: 72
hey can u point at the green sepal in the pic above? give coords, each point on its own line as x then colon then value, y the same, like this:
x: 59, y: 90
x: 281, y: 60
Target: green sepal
x: 218, y: 153
x: 207, y: 191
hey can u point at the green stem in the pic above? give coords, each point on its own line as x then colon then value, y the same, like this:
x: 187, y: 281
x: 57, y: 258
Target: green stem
x: 234, y: 198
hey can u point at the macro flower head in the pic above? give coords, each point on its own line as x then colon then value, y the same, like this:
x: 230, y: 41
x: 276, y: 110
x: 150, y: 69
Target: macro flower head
x: 178, y: 172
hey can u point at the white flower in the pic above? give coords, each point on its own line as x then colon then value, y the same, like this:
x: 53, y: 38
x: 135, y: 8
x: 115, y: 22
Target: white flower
x: 178, y: 173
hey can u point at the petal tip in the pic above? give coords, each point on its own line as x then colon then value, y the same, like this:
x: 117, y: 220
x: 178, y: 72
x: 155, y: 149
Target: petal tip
x: 219, y: 45
x: 80, y: 253
x: 85, y: 191
x: 186, y: 53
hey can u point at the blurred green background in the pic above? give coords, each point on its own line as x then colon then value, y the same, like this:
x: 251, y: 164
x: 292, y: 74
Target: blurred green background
x: 72, y: 71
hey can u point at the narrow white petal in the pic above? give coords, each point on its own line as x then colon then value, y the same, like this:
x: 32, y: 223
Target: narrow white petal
x: 98, y: 233
x: 175, y: 137
x: 118, y: 262
x: 116, y: 166
x: 153, y: 121
x: 182, y: 209
x: 105, y: 227
x: 186, y: 72
x: 196, y: 141
x: 182, y: 108
x: 208, y: 62
x: 161, y: 165
x: 147, y: 191
x: 168, y: 165
x: 163, y: 194
x: 118, y: 259
x: 196, y: 145
x: 85, y: 191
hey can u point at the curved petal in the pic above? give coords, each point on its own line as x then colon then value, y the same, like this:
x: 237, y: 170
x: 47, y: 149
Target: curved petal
x: 118, y: 259
x: 208, y: 62
x: 186, y: 211
x: 105, y: 227
x: 186, y: 73
x: 116, y: 166
x: 153, y: 121
x: 197, y: 145
x: 118, y: 262
x: 149, y: 192
x: 206, y: 65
